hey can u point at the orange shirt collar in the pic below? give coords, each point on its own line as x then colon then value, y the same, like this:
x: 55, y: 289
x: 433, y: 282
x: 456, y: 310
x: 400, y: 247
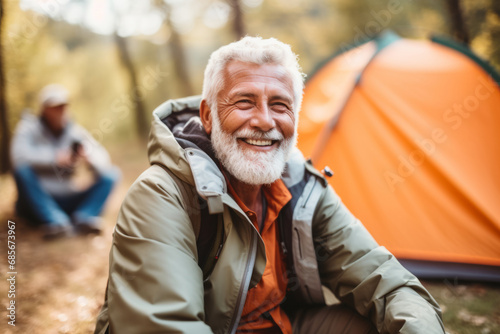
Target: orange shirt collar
x: 277, y: 196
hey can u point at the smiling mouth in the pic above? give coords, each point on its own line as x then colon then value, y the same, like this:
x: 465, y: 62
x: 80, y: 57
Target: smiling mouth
x: 259, y: 142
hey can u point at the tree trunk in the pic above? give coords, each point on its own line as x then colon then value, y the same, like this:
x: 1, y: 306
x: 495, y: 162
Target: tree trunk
x: 458, y: 27
x: 177, y: 51
x: 179, y: 58
x: 238, y: 24
x: 135, y: 92
x: 4, y: 120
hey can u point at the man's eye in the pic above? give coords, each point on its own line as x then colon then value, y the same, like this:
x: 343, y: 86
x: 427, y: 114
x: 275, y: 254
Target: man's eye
x: 281, y: 106
x: 244, y: 104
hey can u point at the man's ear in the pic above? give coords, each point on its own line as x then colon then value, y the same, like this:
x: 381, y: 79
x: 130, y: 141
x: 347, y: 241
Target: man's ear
x: 206, y: 116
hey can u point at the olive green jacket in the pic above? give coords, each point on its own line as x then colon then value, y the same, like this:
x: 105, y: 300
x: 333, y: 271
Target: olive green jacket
x: 155, y: 282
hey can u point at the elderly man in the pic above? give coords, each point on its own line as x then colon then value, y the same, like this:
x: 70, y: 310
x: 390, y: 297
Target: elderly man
x: 232, y: 231
x: 45, y: 153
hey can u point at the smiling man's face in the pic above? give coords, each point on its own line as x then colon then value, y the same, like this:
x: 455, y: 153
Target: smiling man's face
x: 253, y: 128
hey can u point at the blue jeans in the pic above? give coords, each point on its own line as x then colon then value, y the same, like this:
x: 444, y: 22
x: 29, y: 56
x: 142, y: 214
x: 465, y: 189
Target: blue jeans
x: 36, y: 204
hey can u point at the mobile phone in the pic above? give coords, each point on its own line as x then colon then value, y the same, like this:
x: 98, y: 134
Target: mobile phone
x: 75, y: 147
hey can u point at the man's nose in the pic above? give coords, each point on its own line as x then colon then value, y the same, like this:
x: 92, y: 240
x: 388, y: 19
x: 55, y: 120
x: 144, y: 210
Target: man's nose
x: 262, y: 118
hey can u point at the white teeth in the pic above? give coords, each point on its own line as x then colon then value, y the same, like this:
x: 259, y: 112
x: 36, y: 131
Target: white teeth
x: 259, y: 142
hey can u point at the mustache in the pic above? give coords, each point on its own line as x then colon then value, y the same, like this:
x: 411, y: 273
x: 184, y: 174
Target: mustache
x: 259, y: 135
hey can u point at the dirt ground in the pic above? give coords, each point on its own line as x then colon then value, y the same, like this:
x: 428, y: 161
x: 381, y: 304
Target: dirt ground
x: 59, y: 285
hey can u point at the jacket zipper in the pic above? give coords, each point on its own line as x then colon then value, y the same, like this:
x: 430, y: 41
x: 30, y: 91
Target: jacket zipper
x: 240, y: 301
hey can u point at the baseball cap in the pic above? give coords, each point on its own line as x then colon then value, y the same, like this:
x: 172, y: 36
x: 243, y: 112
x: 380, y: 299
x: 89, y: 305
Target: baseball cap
x: 53, y: 95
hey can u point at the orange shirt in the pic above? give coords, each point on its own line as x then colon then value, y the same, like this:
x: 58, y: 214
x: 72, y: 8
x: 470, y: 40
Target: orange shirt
x: 267, y: 295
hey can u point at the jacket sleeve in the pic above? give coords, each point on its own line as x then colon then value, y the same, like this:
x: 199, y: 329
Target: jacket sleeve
x: 367, y: 276
x: 24, y: 150
x: 156, y: 285
x: 97, y: 156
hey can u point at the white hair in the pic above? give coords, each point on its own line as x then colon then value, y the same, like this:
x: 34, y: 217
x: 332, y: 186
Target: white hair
x: 253, y: 50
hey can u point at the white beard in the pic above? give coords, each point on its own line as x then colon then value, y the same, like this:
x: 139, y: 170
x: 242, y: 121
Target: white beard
x: 248, y: 166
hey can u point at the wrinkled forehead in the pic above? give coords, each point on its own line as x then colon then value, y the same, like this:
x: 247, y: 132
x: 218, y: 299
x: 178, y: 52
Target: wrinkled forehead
x: 238, y: 73
x: 270, y: 69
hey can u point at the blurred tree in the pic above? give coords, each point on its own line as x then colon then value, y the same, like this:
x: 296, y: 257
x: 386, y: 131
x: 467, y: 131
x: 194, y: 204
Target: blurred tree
x: 458, y: 27
x: 483, y: 20
x: 135, y: 91
x: 4, y: 122
x: 238, y: 23
x: 177, y: 50
x: 495, y: 32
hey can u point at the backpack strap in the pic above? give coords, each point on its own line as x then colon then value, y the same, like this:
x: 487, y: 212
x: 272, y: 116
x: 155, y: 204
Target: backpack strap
x: 306, y: 189
x: 213, y: 247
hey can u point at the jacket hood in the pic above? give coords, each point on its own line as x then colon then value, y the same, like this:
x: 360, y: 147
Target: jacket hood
x: 175, y: 127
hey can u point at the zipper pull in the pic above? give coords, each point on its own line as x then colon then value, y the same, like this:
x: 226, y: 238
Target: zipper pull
x: 284, y: 248
x: 218, y: 251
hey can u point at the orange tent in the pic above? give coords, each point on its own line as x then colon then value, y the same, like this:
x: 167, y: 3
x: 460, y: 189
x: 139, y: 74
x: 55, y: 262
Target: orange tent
x: 411, y: 130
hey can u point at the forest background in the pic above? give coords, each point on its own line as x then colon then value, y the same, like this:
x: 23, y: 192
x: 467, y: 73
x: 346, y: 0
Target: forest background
x: 121, y: 59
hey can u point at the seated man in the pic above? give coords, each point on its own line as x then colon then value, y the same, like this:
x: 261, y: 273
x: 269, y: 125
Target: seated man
x: 45, y: 153
x: 232, y: 231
